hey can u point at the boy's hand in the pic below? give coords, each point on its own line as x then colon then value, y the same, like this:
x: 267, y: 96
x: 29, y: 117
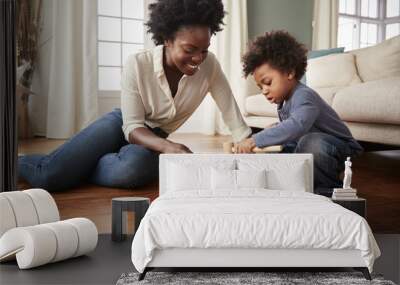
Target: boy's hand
x: 245, y: 146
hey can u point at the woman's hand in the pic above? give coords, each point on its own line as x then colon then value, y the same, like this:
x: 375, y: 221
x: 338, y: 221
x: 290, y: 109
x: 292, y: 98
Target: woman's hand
x: 148, y: 139
x: 172, y: 147
x: 245, y: 146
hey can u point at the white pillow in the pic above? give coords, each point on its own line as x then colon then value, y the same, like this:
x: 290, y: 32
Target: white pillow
x: 288, y: 178
x: 281, y: 174
x: 332, y: 70
x: 183, y: 178
x: 189, y: 176
x: 251, y: 178
x: 223, y: 179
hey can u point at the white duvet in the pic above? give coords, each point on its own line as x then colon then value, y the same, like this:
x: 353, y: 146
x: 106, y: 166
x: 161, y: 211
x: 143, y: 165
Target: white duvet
x: 254, y: 218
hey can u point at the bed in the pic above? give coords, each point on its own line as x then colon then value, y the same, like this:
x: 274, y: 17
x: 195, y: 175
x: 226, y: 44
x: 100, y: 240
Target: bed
x: 247, y: 210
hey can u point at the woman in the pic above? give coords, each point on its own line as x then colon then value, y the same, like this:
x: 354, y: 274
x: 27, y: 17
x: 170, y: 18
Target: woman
x: 161, y: 88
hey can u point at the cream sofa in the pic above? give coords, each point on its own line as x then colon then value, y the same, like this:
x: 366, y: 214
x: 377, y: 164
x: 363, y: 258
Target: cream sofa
x: 363, y: 86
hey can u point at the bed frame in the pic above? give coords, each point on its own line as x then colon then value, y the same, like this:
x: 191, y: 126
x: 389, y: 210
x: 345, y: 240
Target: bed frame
x: 241, y: 259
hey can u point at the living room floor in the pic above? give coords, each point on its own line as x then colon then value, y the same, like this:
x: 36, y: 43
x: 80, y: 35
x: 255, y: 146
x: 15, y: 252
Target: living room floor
x: 375, y: 176
x: 111, y: 259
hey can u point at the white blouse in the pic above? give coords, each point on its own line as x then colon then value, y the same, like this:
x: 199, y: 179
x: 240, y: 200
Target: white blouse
x: 146, y: 97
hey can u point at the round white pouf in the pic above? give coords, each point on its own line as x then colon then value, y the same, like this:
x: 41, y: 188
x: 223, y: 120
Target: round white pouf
x: 40, y: 244
x: 6, y: 215
x: 23, y: 208
x: 46, y: 207
x: 33, y: 246
x: 67, y: 240
x: 87, y: 233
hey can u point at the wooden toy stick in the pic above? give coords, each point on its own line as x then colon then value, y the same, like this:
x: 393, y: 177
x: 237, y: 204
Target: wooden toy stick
x: 271, y: 148
x: 228, y: 148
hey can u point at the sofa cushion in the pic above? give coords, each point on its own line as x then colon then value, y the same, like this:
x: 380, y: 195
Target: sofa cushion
x: 327, y: 93
x: 370, y: 102
x: 319, y: 53
x: 332, y: 71
x: 376, y: 133
x: 324, y: 52
x: 258, y: 105
x: 379, y: 61
x: 260, y: 121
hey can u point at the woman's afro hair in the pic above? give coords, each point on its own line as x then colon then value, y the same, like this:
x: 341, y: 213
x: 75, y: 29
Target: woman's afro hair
x: 168, y: 16
x: 280, y: 50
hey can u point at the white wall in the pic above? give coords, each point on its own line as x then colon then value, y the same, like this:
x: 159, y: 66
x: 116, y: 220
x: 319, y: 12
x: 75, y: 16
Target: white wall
x: 108, y: 103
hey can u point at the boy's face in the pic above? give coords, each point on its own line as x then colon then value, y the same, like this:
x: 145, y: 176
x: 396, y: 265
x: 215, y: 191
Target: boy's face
x: 274, y: 84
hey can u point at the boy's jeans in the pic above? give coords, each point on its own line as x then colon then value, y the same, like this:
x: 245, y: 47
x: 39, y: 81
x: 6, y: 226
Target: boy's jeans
x: 99, y: 154
x: 329, y: 154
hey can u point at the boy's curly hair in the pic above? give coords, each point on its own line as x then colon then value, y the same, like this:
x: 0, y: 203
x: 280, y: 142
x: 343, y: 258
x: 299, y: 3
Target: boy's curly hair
x: 280, y: 50
x: 167, y: 16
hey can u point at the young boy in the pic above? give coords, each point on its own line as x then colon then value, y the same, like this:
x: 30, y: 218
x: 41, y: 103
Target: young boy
x: 307, y: 123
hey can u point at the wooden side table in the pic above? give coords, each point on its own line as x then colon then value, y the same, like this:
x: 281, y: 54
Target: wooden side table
x: 120, y: 206
x: 358, y: 205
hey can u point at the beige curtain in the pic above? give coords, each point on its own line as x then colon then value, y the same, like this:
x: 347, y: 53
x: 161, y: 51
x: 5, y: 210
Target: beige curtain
x: 65, y: 83
x: 72, y: 95
x: 325, y: 24
x: 228, y: 47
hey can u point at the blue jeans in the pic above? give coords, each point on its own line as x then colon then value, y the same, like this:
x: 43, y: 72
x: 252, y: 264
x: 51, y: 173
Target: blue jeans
x: 98, y: 154
x: 329, y: 154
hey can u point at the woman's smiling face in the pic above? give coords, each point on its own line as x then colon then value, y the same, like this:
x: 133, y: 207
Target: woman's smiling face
x: 188, y: 49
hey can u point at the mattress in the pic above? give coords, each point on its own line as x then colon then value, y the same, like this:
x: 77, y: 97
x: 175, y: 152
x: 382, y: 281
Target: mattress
x: 252, y: 219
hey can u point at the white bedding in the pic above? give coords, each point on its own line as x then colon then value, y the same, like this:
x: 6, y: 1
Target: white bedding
x: 251, y: 218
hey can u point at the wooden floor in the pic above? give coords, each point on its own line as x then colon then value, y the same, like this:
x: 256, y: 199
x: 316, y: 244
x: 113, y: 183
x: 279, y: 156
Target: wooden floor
x: 376, y: 175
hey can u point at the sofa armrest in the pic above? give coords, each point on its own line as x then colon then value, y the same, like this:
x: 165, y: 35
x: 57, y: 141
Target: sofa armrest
x: 258, y: 105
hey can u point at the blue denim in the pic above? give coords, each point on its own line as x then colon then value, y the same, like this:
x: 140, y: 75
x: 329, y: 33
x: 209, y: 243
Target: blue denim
x: 329, y: 154
x: 98, y: 154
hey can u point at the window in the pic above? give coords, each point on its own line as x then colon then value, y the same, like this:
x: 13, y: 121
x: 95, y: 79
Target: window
x: 363, y: 23
x: 120, y: 33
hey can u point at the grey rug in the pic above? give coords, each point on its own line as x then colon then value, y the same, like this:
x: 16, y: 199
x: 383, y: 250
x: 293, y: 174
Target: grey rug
x: 231, y: 278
